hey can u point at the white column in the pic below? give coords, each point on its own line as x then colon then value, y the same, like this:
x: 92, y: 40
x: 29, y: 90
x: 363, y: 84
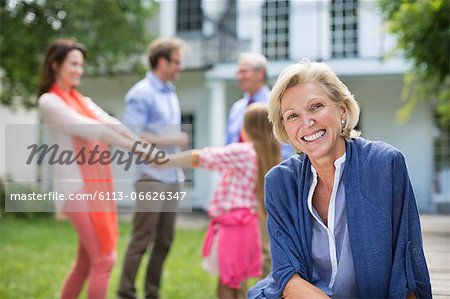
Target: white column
x: 167, y: 17
x: 217, y: 126
x: 217, y: 113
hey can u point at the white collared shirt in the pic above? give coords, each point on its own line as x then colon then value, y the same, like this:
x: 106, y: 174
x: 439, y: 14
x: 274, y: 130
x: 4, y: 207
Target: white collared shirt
x: 333, y: 270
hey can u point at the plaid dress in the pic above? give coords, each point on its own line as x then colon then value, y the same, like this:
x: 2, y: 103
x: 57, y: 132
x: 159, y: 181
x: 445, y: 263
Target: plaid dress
x: 238, y: 164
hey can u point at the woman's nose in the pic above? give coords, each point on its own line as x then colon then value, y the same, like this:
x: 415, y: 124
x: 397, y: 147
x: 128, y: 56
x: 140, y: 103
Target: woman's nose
x: 308, y: 122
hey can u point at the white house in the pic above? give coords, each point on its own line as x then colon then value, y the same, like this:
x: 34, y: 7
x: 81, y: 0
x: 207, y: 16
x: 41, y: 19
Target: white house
x: 348, y: 34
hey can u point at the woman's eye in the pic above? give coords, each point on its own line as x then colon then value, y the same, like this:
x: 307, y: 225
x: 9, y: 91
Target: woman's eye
x: 316, y: 106
x: 291, y: 116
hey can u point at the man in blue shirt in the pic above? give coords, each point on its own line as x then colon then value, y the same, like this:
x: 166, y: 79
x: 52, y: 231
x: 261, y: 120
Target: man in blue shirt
x: 153, y: 112
x: 252, y: 78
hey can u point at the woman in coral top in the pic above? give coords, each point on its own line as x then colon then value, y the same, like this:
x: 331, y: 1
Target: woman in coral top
x: 75, y: 124
x: 232, y: 246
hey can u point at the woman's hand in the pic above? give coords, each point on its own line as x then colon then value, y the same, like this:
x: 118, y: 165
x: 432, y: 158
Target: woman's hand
x: 298, y: 288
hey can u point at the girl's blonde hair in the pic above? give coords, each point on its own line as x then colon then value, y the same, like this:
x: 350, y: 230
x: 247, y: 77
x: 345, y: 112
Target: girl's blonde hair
x: 259, y: 130
x: 318, y: 72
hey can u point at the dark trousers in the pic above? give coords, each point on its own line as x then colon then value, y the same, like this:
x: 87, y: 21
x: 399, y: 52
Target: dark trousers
x: 153, y: 221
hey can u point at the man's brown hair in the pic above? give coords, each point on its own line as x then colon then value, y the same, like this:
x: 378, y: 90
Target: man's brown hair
x: 163, y: 47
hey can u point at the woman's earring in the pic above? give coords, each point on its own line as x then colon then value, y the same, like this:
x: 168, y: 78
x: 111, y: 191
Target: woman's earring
x: 343, y: 122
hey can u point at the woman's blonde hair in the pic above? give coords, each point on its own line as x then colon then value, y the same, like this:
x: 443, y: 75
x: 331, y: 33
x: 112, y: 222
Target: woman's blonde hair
x: 319, y: 72
x: 259, y: 130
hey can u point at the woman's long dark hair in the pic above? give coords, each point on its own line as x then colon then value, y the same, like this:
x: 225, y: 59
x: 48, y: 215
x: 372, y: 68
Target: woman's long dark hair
x: 56, y: 53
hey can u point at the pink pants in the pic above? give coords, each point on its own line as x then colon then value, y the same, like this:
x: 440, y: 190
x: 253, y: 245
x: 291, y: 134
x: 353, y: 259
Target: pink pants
x: 90, y: 264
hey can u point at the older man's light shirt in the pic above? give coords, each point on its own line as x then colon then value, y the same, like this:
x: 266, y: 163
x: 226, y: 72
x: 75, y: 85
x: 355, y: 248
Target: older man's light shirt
x: 333, y: 270
x: 237, y: 113
x: 236, y: 117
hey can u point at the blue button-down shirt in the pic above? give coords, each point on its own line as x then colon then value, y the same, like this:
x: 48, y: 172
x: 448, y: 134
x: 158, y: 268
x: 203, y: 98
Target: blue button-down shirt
x: 333, y: 270
x: 236, y: 118
x: 152, y: 106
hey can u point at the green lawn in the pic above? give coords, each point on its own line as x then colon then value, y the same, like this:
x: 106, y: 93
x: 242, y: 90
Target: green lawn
x: 35, y: 256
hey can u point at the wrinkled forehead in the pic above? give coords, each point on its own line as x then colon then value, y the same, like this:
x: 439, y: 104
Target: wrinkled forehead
x: 303, y: 93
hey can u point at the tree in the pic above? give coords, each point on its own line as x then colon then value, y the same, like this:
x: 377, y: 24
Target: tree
x: 113, y: 31
x: 422, y: 28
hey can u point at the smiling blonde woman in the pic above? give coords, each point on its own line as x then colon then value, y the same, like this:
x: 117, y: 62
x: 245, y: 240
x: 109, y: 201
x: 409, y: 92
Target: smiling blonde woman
x: 342, y: 216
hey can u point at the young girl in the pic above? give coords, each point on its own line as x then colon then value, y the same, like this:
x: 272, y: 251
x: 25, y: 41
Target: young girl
x: 232, y: 246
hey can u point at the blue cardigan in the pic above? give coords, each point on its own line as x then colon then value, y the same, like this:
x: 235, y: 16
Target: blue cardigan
x: 383, y: 224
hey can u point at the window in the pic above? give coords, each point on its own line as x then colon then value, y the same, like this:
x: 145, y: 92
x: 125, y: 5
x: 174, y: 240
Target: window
x: 344, y: 28
x: 229, y: 46
x: 441, y: 186
x: 189, y: 15
x: 275, y: 26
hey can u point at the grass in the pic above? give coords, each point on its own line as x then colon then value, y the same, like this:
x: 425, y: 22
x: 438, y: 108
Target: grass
x: 35, y: 256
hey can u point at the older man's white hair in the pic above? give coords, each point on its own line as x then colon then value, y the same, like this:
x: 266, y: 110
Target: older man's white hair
x: 256, y: 60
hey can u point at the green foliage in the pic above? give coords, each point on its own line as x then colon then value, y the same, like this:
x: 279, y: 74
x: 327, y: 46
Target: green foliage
x: 113, y: 31
x: 422, y: 29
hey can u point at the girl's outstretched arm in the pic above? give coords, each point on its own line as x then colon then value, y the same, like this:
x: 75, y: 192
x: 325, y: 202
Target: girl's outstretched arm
x: 186, y: 159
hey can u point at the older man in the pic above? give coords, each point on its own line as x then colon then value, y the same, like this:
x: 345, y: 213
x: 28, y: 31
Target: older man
x: 252, y: 79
